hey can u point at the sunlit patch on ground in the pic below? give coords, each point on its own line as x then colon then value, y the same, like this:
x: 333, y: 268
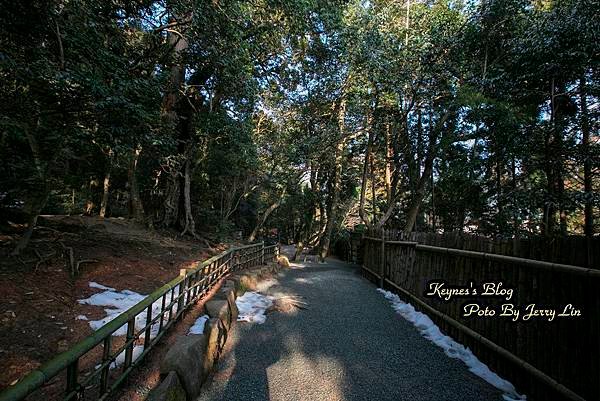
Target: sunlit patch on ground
x: 254, y: 306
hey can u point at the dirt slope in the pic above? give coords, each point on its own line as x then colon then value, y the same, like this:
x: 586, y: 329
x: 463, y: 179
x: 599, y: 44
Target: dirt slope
x: 39, y: 308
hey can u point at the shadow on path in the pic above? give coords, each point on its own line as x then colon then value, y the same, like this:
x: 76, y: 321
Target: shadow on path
x: 348, y: 345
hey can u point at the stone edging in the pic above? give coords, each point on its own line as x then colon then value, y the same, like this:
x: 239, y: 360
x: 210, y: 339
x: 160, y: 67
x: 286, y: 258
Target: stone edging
x: 189, y: 362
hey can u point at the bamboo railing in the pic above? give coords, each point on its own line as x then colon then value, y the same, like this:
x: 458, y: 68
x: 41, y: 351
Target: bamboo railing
x: 174, y: 297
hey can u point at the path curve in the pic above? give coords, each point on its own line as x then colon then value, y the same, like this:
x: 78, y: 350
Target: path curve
x: 348, y: 345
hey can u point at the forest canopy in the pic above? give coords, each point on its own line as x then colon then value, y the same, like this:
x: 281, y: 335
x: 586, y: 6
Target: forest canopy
x: 309, y: 116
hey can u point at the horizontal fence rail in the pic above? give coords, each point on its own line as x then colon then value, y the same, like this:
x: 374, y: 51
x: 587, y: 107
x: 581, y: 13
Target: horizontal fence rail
x: 145, y: 323
x: 557, y: 359
x: 496, y: 258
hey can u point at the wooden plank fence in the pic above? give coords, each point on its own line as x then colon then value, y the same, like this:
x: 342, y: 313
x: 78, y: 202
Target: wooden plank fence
x: 547, y: 360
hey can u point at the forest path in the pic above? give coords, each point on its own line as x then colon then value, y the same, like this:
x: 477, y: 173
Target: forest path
x: 348, y: 345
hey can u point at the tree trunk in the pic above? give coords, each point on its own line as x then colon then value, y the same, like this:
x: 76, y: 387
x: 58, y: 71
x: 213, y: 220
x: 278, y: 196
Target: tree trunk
x: 189, y: 225
x: 307, y: 234
x: 549, y: 210
x: 174, y: 210
x: 177, y: 75
x: 389, y: 149
x: 365, y: 175
x: 554, y: 168
x: 332, y: 215
x: 170, y: 207
x: 265, y: 216
x: 337, y: 183
x: 559, y: 127
x: 298, y: 250
x: 136, y: 209
x: 419, y: 195
x: 106, y: 185
x: 373, y: 188
x: 588, y: 227
x: 313, y: 205
x: 34, y: 207
x: 321, y: 212
x: 500, y: 204
x: 37, y: 200
x: 417, y: 199
x: 513, y: 167
x: 386, y: 216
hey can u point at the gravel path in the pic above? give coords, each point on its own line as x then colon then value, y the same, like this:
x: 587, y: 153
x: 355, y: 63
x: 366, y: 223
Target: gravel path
x: 348, y: 345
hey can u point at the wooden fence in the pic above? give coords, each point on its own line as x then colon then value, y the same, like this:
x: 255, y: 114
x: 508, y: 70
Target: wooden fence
x: 547, y: 360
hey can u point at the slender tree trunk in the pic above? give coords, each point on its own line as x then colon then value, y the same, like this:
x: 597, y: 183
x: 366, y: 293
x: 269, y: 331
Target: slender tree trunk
x: 322, y: 214
x: 373, y: 188
x: 419, y: 195
x: 386, y: 216
x: 337, y: 183
x: 189, y: 225
x: 36, y: 200
x: 549, y: 209
x: 369, y: 127
x: 514, y: 197
x: 170, y: 207
x: 332, y: 215
x: 389, y: 155
x: 500, y: 206
x: 261, y: 221
x: 560, y: 184
x: 554, y: 167
x: 471, y: 172
x: 106, y: 185
x: 136, y: 209
x: 395, y: 146
x: 298, y: 250
x: 307, y: 234
x: 433, y: 220
x: 587, y: 163
x: 314, y: 203
x: 420, y: 150
x: 35, y: 203
x: 559, y: 127
x: 417, y: 199
x: 365, y: 177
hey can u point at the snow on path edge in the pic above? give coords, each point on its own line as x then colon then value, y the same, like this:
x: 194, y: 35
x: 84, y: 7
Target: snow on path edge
x: 431, y: 331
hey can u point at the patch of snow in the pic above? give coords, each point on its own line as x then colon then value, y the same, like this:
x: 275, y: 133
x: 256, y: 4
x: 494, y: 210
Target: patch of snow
x: 430, y: 331
x: 198, y: 327
x: 100, y: 286
x: 116, y: 302
x: 120, y: 359
x: 252, y: 307
x: 81, y: 317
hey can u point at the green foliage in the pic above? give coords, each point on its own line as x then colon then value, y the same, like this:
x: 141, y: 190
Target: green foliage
x: 471, y: 114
